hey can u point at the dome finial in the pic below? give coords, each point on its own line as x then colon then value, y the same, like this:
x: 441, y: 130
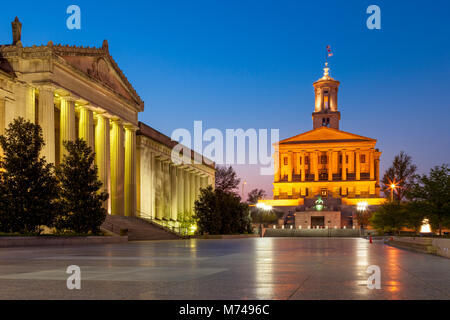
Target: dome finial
x: 326, y: 70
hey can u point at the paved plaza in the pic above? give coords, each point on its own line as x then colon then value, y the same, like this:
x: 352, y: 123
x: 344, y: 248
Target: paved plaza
x: 254, y: 268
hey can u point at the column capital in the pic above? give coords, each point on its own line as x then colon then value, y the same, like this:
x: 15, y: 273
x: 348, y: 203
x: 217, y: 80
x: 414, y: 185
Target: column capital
x: 130, y: 126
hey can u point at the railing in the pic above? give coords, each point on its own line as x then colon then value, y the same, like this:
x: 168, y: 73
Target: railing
x: 114, y: 228
x: 168, y: 226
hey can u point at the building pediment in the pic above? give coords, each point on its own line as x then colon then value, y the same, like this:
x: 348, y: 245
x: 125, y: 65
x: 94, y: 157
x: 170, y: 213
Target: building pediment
x: 325, y: 135
x: 97, y: 64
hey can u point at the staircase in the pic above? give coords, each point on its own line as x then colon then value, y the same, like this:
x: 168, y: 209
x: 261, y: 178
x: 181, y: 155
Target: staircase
x: 136, y: 228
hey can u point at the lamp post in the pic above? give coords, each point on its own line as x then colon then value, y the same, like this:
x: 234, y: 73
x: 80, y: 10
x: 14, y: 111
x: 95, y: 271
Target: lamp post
x: 392, y: 187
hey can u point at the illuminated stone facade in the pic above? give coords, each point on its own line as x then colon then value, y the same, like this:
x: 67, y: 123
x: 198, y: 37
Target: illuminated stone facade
x: 326, y: 161
x: 81, y: 92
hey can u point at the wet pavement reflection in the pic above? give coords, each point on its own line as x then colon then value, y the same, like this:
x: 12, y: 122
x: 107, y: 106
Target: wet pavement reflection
x: 254, y: 268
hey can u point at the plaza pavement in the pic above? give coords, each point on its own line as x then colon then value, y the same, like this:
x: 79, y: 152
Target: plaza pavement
x: 254, y: 268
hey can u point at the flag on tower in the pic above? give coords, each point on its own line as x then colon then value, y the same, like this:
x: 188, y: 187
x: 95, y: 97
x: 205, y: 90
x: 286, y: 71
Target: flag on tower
x: 330, y: 54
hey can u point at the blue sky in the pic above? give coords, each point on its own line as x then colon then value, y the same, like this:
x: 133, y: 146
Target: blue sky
x: 251, y: 64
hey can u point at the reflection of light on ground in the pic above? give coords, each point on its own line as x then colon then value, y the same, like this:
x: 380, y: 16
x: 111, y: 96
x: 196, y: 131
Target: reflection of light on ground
x: 263, y: 268
x: 425, y: 226
x: 392, y: 272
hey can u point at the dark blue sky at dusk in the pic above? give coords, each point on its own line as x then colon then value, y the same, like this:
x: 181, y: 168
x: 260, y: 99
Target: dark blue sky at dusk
x: 251, y: 64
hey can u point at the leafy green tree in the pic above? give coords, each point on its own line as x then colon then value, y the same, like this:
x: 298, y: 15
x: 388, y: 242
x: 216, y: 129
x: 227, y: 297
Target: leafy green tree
x: 416, y: 212
x: 219, y: 212
x: 81, y: 199
x: 390, y: 217
x: 226, y: 179
x: 402, y: 173
x: 255, y: 195
x: 433, y: 191
x: 28, y: 187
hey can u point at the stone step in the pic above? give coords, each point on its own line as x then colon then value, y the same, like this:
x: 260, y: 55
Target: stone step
x: 138, y: 229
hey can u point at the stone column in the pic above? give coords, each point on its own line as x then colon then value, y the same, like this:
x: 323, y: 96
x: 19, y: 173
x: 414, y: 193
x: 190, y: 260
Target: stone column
x: 85, y: 127
x: 159, y: 206
x: 330, y: 165
x: 67, y: 123
x: 277, y: 167
x: 192, y: 189
x: 315, y: 161
x: 180, y: 191
x: 130, y: 171
x: 102, y: 155
x: 117, y: 168
x: 174, y: 193
x: 46, y: 120
x: 358, y: 164
x: 167, y: 189
x: 187, y: 192
x: 153, y: 184
x: 197, y: 186
x: 290, y: 166
x: 303, y: 165
x: 372, y: 164
x: 25, y: 102
x: 344, y: 165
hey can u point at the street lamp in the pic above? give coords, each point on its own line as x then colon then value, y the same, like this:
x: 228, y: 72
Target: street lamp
x: 392, y: 187
x: 243, y: 184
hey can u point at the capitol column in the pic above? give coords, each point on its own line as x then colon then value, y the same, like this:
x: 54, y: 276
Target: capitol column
x: 330, y: 165
x: 67, y: 123
x: 344, y: 165
x: 302, y: 157
x: 102, y: 156
x: 130, y: 171
x: 277, y: 165
x: 289, y: 166
x: 46, y: 120
x: 316, y: 165
x: 372, y: 164
x: 358, y: 164
x: 85, y: 127
x: 117, y: 168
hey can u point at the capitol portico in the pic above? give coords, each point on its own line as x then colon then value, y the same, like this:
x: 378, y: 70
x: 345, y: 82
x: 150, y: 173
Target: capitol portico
x: 80, y: 92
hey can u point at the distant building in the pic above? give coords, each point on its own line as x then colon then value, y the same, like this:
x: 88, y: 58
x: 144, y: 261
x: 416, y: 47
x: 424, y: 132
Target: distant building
x: 340, y: 167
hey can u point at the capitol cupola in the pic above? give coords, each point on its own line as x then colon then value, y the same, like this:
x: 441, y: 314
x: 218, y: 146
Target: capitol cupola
x: 326, y: 112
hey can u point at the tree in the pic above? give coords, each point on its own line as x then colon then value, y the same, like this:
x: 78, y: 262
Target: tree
x: 390, y: 217
x: 219, y: 212
x: 81, y: 199
x: 363, y: 217
x: 434, y: 193
x: 28, y: 187
x: 402, y: 173
x: 416, y: 213
x: 226, y: 179
x: 255, y: 195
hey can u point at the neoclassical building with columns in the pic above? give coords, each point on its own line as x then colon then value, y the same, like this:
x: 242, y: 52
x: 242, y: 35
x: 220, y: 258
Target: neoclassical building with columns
x: 340, y: 167
x: 81, y: 92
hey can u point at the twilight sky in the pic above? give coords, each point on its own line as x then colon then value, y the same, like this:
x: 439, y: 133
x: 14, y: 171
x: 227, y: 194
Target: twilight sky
x: 251, y: 64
